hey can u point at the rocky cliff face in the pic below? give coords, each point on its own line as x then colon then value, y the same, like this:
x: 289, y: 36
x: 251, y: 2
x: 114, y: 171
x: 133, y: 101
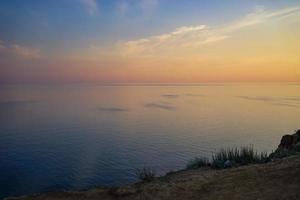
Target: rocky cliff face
x: 289, y: 144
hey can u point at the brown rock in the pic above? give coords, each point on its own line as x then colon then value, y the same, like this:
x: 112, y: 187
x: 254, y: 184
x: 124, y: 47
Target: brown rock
x: 289, y: 142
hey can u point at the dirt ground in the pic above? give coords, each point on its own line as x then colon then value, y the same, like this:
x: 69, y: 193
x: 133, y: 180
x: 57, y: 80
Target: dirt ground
x: 279, y: 179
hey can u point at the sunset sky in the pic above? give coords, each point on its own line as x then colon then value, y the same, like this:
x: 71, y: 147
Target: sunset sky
x: 149, y: 41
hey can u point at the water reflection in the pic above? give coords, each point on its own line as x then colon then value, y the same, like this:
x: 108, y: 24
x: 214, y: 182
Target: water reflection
x: 171, y: 96
x: 277, y: 101
x: 161, y: 105
x: 79, y: 136
x: 113, y: 109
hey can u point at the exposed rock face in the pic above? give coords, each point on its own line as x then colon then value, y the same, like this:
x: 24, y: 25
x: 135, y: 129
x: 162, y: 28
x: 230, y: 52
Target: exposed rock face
x: 290, y: 142
x: 289, y: 145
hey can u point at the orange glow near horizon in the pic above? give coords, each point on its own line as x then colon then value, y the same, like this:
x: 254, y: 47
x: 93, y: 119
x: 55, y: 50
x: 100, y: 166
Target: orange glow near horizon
x: 261, y: 46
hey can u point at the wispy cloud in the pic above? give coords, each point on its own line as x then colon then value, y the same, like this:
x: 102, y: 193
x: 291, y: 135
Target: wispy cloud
x: 201, y: 35
x: 19, y: 51
x: 259, y: 16
x: 177, y: 38
x: 91, y: 6
x: 25, y: 52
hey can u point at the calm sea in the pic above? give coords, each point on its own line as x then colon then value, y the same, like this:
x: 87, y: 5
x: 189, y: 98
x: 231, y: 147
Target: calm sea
x: 79, y: 136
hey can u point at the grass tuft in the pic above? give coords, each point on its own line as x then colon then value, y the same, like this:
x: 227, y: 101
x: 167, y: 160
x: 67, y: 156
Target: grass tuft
x: 238, y: 156
x: 230, y: 157
x: 198, y: 163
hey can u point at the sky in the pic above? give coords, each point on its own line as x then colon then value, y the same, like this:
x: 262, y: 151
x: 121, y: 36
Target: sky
x: 149, y: 41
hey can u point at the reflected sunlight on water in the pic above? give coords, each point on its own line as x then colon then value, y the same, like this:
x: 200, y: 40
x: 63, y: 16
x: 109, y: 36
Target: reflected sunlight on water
x: 79, y: 136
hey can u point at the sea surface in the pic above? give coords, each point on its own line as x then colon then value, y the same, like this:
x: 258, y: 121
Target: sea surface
x: 57, y: 137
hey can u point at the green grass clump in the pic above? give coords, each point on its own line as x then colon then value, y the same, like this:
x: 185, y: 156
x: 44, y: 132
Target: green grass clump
x: 230, y: 157
x: 198, y: 163
x: 238, y: 156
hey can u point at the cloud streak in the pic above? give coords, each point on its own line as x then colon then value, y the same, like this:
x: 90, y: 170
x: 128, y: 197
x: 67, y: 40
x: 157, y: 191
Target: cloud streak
x: 259, y: 16
x: 193, y: 37
x: 25, y: 52
x: 19, y: 51
x: 157, y: 42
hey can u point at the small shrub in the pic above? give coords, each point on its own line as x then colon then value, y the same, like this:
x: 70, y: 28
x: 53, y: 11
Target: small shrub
x: 231, y: 157
x: 264, y: 158
x: 198, y: 163
x: 217, y: 164
x: 242, y: 156
x: 145, y: 174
